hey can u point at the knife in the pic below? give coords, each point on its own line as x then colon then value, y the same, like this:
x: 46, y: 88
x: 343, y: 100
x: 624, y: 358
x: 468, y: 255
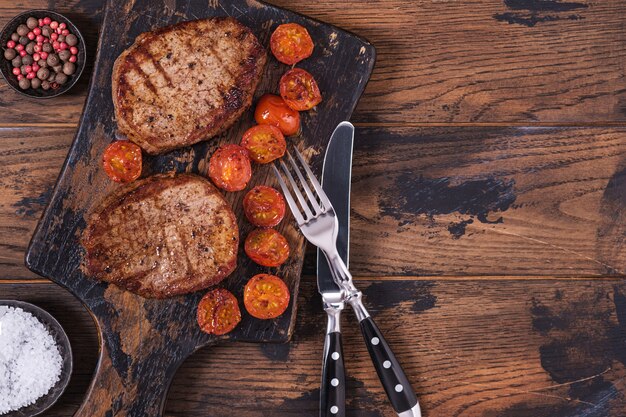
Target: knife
x: 336, y: 176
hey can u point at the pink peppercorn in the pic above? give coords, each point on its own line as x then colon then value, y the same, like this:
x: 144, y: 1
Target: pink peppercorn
x: 28, y: 68
x: 36, y: 56
x: 72, y: 58
x: 54, y: 36
x: 31, y: 75
x: 19, y: 47
x: 20, y: 77
x: 62, y: 25
x: 58, y: 31
x: 23, y: 53
x: 36, y: 67
x: 63, y: 46
x: 56, y: 44
x: 65, y: 32
x: 43, y: 55
x: 54, y: 25
x: 30, y: 35
x: 46, y: 20
x: 41, y: 22
x: 40, y: 38
x: 37, y: 48
x: 10, y: 44
x: 74, y: 50
x: 16, y: 71
x: 37, y: 31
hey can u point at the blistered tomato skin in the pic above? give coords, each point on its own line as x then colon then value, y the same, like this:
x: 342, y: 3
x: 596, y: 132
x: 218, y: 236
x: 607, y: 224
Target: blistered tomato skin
x: 267, y: 247
x: 266, y: 296
x: 264, y: 143
x: 264, y: 206
x: 299, y: 90
x: 122, y: 161
x: 291, y: 43
x: 272, y: 110
x: 218, y: 312
x: 229, y: 167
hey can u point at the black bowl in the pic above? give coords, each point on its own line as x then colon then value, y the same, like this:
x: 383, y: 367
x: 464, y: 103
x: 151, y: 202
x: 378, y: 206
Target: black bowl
x: 6, y: 67
x: 57, y: 332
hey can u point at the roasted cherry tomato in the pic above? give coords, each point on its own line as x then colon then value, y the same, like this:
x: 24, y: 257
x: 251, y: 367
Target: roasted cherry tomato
x: 122, y: 161
x: 299, y: 90
x: 272, y: 110
x: 267, y: 247
x: 218, y: 312
x: 264, y: 206
x: 264, y: 143
x: 291, y: 43
x: 229, y: 167
x: 266, y: 296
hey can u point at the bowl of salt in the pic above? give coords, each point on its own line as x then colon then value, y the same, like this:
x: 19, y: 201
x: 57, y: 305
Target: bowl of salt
x: 35, y: 359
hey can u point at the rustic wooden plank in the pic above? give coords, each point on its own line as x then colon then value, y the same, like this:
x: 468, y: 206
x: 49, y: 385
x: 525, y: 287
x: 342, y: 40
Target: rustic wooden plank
x: 30, y: 161
x: 559, y: 191
x: 498, y: 348
x: 489, y: 201
x: 473, y: 61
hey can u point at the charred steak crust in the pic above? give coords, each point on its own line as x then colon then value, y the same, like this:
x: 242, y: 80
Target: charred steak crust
x: 165, y: 235
x: 185, y: 83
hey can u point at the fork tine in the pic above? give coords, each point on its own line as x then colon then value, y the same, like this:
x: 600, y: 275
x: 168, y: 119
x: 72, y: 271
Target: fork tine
x: 307, y: 189
x: 292, y: 203
x: 296, y: 190
x: 320, y: 192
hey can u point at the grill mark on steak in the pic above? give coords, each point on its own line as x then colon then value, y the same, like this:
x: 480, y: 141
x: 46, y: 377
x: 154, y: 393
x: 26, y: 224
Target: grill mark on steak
x: 229, y: 62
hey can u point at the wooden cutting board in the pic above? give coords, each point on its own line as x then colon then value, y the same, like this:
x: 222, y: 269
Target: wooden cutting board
x: 143, y: 341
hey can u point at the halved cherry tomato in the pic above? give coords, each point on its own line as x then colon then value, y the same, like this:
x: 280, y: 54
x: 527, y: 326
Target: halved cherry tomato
x: 267, y: 247
x: 229, y: 167
x: 122, y: 161
x: 264, y: 206
x: 272, y: 110
x: 218, y: 312
x: 291, y: 43
x: 266, y: 296
x: 299, y: 90
x: 264, y: 143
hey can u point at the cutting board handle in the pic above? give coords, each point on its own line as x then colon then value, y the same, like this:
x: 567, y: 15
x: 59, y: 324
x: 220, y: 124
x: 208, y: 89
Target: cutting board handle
x: 135, y: 386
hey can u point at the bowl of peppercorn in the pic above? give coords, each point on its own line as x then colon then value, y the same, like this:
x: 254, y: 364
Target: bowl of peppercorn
x: 43, y: 53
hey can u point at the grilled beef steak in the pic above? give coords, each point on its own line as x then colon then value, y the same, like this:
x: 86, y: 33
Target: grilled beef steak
x: 162, y: 236
x: 186, y: 83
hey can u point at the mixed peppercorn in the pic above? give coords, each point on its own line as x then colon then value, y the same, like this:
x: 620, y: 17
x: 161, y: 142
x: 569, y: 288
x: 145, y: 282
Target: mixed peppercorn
x: 43, y: 53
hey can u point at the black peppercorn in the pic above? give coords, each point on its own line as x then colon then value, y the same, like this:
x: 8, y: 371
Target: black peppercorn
x: 46, y: 47
x: 23, y: 40
x: 35, y: 83
x: 46, y: 31
x: 65, y: 55
x: 15, y: 37
x: 43, y: 73
x: 53, y: 60
x: 42, y: 63
x: 69, y: 68
x: 60, y: 78
x: 27, y: 60
x: 17, y: 62
x: 9, y: 54
x: 45, y: 85
x: 22, y: 30
x: 32, y: 22
x: 30, y: 48
x: 24, y: 83
x: 71, y: 40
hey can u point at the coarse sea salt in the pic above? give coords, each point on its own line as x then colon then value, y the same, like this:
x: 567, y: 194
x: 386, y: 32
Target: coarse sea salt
x: 30, y: 362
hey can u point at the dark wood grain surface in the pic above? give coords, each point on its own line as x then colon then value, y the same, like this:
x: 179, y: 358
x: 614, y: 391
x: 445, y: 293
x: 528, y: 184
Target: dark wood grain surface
x: 489, y: 204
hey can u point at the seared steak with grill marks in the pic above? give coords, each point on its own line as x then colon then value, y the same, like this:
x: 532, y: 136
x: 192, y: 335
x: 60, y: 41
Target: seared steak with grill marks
x: 186, y: 83
x: 162, y: 236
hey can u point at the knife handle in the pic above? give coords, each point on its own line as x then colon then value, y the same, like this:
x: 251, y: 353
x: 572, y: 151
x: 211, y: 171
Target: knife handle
x: 333, y: 389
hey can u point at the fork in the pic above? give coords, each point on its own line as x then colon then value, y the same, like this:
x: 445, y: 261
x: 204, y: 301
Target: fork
x: 319, y: 225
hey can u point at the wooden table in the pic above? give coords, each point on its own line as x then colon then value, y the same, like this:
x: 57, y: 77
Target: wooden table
x: 488, y: 218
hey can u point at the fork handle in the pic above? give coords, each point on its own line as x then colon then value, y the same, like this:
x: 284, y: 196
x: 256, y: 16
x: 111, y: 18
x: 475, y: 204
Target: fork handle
x: 333, y: 389
x: 389, y: 370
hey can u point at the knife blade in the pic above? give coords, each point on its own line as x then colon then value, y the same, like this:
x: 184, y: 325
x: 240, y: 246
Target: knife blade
x: 336, y: 177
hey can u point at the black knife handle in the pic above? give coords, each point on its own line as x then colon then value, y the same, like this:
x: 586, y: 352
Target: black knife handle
x: 333, y: 393
x: 390, y: 373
